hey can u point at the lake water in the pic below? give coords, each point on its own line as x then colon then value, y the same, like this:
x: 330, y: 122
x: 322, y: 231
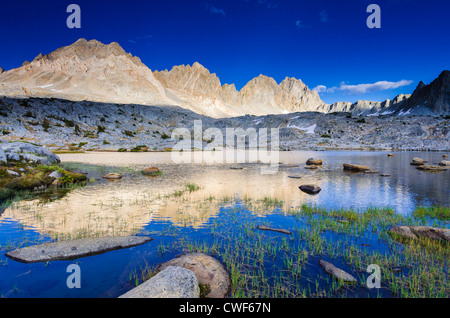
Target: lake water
x: 156, y: 206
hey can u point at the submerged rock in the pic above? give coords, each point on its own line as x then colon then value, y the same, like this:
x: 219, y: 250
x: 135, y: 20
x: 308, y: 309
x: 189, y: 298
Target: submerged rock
x: 172, y: 282
x: 208, y: 271
x: 390, y: 155
x: 312, y: 167
x: 337, y: 272
x: 350, y: 167
x: 69, y: 250
x: 113, y: 176
x: 370, y: 171
x: 310, y: 188
x: 265, y: 228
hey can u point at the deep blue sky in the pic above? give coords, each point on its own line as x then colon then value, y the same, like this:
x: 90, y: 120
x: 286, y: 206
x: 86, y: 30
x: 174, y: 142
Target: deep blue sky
x: 321, y: 42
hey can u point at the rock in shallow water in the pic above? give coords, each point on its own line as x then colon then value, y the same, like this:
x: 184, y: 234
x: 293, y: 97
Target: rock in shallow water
x: 265, y: 228
x: 418, y: 232
x: 337, y: 272
x: 417, y: 162
x: 69, y: 250
x: 172, y: 282
x: 310, y: 188
x: 350, y: 167
x: 113, y: 176
x: 314, y: 161
x: 432, y: 168
x: 208, y: 271
x: 150, y: 171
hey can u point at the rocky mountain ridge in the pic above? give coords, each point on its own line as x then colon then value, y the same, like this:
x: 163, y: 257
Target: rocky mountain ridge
x: 67, y: 125
x: 90, y: 70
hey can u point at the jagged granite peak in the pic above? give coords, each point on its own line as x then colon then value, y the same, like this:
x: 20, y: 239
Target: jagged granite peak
x: 93, y: 71
x: 201, y: 91
x: 86, y: 70
x: 434, y: 97
x: 196, y: 79
x: 307, y: 99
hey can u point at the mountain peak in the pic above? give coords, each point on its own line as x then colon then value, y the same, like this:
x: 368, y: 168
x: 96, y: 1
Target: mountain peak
x: 84, y: 50
x: 434, y: 96
x: 197, y: 65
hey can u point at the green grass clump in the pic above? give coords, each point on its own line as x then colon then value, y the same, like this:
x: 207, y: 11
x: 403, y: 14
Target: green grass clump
x: 440, y: 212
x: 191, y: 187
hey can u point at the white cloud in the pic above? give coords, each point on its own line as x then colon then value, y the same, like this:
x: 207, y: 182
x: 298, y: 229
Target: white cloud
x: 378, y: 86
x: 320, y: 89
x: 363, y: 88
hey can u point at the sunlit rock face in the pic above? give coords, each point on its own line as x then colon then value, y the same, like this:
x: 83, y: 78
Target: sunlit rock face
x: 90, y: 70
x: 86, y: 70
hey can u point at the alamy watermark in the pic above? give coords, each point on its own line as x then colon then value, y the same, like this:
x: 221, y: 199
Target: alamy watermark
x: 74, y: 279
x: 374, y: 20
x: 74, y: 19
x: 374, y: 280
x: 230, y: 145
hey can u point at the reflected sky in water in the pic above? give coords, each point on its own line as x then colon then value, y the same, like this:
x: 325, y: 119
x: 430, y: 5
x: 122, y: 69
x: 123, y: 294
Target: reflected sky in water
x: 125, y: 206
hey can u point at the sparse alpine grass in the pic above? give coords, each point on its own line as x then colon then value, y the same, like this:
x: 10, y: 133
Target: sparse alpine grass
x: 273, y: 265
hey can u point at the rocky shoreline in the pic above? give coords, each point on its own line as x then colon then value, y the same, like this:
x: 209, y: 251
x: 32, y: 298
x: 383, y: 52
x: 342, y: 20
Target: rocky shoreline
x: 62, y: 125
x: 29, y: 167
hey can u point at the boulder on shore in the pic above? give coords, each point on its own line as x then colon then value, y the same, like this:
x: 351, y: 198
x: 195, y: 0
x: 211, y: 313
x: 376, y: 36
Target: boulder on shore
x: 172, y: 282
x: 444, y: 163
x: 26, y: 152
x: 208, y: 271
